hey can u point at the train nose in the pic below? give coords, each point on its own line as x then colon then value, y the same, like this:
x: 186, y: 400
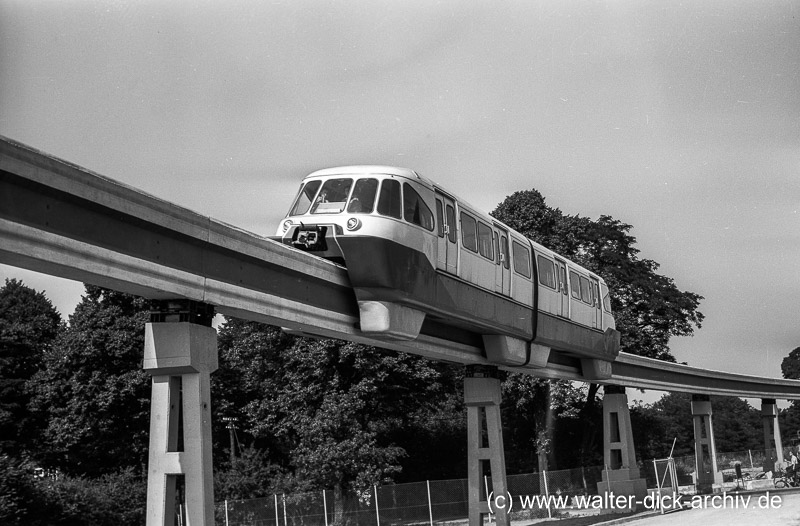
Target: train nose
x: 319, y: 240
x: 311, y: 238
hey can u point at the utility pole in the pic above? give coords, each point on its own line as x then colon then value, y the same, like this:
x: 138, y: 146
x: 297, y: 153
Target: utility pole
x: 231, y: 425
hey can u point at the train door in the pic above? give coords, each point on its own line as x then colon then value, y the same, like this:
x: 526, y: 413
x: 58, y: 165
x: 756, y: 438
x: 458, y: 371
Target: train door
x: 502, y: 280
x: 563, y: 288
x: 598, y: 304
x: 447, y: 258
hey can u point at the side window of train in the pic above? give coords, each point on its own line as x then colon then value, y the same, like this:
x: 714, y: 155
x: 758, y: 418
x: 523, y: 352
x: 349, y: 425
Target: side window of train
x: 547, y: 272
x: 586, y: 290
x: 522, y: 259
x: 414, y: 208
x: 450, y: 213
x: 440, y: 218
x: 363, y: 199
x: 389, y: 201
x: 575, y: 281
x: 563, y: 283
x: 504, y: 251
x: 485, y: 240
x: 469, y: 236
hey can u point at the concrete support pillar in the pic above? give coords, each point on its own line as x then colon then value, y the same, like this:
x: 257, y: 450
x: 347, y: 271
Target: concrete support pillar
x: 772, y: 434
x: 706, y: 472
x: 180, y: 357
x: 485, y: 445
x: 621, y: 473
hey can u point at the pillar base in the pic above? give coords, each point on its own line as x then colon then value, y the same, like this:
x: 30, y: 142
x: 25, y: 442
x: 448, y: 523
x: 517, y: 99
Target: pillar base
x: 618, y: 482
x: 706, y: 482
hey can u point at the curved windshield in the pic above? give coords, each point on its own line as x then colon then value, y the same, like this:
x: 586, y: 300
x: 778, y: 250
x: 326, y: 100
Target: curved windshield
x: 332, y: 196
x: 305, y: 198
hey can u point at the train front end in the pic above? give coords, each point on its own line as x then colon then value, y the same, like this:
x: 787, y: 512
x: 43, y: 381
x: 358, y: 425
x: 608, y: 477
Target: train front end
x: 376, y: 221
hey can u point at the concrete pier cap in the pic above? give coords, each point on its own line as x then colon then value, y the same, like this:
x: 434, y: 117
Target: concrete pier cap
x: 182, y: 348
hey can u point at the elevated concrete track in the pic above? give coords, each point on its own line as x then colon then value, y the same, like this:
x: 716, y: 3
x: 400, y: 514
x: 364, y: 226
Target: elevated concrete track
x: 60, y: 219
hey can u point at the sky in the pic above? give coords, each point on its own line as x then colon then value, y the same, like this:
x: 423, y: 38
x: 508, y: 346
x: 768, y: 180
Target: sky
x: 681, y: 119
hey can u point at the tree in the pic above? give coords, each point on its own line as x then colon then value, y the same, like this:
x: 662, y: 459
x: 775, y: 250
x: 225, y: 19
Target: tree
x: 92, y: 390
x: 535, y: 410
x: 790, y: 366
x: 328, y: 411
x: 648, y: 308
x: 28, y: 325
x: 790, y: 417
x: 737, y: 426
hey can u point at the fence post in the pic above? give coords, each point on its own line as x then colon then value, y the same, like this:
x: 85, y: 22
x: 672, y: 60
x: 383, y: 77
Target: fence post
x: 547, y: 495
x: 674, y: 474
x: 325, y: 507
x: 283, y: 499
x: 276, y: 509
x: 583, y: 478
x: 486, y: 490
x: 658, y: 485
x: 377, y: 511
x: 226, y: 513
x: 430, y: 506
x: 750, y: 454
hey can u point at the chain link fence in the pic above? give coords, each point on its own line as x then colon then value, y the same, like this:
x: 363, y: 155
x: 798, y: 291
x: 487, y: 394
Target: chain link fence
x: 446, y: 501
x: 429, y: 502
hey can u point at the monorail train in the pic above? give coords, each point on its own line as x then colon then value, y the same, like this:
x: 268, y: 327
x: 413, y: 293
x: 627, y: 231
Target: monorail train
x: 417, y: 254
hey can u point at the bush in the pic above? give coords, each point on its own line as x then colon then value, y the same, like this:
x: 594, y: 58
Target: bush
x: 118, y: 499
x: 249, y: 476
x: 21, y: 500
x: 111, y: 500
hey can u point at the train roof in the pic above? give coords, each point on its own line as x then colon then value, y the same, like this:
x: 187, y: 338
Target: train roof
x: 368, y: 169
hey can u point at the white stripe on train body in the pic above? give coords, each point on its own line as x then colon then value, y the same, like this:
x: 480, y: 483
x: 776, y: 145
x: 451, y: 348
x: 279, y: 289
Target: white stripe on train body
x: 420, y: 258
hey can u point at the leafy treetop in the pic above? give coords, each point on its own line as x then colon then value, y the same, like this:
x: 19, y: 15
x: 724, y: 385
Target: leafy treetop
x: 648, y: 307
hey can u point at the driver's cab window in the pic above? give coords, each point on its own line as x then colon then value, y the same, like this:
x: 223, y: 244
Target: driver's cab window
x: 332, y: 196
x: 305, y: 198
x: 363, y: 199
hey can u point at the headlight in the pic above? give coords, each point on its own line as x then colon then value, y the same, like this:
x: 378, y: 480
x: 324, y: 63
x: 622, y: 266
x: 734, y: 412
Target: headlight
x: 287, y: 225
x: 353, y: 223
